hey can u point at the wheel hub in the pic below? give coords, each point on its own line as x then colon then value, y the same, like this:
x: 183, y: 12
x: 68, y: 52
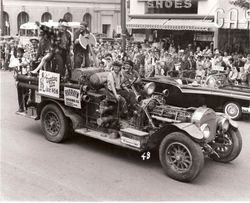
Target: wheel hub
x: 179, y: 157
x: 232, y: 110
x: 52, y: 124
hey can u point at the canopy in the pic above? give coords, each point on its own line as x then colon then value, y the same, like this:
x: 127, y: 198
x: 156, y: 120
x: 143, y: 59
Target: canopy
x: 29, y: 26
x: 171, y: 24
x: 33, y: 26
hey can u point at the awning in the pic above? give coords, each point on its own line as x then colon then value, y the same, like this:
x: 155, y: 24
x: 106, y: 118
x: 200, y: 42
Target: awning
x: 171, y: 24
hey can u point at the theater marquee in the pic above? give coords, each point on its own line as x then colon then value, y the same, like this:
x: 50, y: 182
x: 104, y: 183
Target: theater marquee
x: 232, y: 19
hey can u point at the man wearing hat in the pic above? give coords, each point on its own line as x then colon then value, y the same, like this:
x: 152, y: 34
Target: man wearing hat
x: 115, y: 92
x: 130, y: 75
x: 64, y: 48
x: 21, y: 68
x: 32, y: 52
x: 81, y: 55
x: 60, y: 42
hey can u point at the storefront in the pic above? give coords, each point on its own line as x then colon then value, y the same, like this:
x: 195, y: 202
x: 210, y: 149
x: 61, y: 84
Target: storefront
x: 181, y: 21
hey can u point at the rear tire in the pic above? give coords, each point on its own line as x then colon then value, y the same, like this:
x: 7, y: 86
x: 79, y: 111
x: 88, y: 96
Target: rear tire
x: 181, y: 158
x: 54, y: 123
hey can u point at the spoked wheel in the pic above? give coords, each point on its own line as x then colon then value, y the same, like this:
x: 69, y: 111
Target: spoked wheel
x: 54, y: 123
x: 228, y: 146
x: 181, y: 158
x: 233, y: 110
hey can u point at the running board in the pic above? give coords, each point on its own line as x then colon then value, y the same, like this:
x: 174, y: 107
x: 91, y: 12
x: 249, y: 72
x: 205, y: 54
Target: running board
x: 29, y: 113
x: 104, y: 137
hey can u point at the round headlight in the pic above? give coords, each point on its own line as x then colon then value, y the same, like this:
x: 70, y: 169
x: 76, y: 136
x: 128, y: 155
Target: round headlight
x: 205, y: 130
x: 149, y: 88
x: 224, y: 124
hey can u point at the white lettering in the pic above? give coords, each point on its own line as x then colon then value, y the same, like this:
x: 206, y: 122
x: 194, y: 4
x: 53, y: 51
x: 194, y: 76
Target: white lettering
x: 178, y: 4
x: 150, y: 4
x: 168, y: 3
x: 159, y: 4
x: 233, y: 18
x: 219, y: 20
x: 188, y: 4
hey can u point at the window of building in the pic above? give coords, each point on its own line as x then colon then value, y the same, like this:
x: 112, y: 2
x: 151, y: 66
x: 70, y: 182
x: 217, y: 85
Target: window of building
x: 68, y: 17
x: 22, y: 18
x: 6, y: 24
x: 87, y: 18
x: 46, y: 17
x: 106, y: 30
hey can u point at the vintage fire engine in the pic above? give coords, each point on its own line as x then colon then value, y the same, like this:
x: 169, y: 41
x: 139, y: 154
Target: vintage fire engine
x: 183, y: 136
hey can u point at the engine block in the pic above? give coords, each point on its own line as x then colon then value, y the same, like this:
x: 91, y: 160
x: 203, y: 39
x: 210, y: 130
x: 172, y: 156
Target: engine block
x: 173, y: 113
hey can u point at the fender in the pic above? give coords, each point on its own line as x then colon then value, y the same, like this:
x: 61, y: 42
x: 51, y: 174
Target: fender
x: 189, y: 128
x: 233, y: 123
x: 77, y: 121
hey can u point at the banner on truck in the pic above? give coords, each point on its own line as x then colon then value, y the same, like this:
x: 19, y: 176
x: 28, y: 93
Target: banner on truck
x: 49, y: 84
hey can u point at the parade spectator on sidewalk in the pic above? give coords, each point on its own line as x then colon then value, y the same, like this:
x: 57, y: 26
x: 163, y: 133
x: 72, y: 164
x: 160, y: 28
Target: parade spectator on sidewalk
x: 207, y: 65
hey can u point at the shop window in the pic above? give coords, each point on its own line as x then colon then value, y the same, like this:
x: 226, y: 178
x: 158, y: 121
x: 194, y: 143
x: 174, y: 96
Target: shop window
x: 46, y: 17
x: 22, y: 18
x: 6, y: 25
x: 68, y: 17
x: 87, y: 18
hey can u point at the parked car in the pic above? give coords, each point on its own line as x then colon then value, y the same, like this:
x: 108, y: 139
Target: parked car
x: 214, y: 93
x: 182, y: 136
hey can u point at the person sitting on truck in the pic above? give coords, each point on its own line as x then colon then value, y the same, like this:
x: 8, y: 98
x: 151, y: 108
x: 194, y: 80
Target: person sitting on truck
x: 59, y: 48
x: 130, y: 76
x: 114, y: 87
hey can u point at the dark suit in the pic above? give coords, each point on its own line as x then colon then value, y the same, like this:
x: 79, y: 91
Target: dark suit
x: 81, y: 55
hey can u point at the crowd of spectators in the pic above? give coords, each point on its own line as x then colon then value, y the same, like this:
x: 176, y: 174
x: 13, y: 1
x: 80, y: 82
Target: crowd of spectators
x: 156, y: 59
x: 152, y: 59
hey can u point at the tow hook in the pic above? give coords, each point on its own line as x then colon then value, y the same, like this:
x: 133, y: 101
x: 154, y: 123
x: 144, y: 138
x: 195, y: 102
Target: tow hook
x: 210, y: 150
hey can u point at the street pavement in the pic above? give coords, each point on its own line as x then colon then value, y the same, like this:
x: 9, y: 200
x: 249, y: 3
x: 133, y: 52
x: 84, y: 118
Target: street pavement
x: 84, y: 169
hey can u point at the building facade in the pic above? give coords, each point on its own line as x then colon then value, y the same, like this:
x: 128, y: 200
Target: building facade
x: 233, y: 27
x: 103, y: 16
x: 182, y: 21
x: 187, y: 21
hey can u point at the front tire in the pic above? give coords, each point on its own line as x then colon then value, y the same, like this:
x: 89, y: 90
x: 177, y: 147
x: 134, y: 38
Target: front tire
x: 227, y: 147
x: 181, y: 158
x: 55, y: 125
x: 233, y: 110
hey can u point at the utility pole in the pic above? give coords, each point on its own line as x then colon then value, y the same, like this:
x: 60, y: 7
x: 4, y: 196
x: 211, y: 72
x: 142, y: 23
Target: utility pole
x: 1, y: 19
x: 123, y: 24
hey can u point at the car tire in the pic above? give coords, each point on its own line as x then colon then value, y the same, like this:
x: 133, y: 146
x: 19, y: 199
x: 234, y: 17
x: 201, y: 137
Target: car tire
x: 230, y: 147
x: 181, y: 158
x: 54, y: 124
x: 233, y: 110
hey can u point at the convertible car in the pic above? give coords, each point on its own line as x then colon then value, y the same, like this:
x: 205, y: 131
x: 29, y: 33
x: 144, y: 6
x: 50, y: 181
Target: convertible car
x: 215, y: 92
